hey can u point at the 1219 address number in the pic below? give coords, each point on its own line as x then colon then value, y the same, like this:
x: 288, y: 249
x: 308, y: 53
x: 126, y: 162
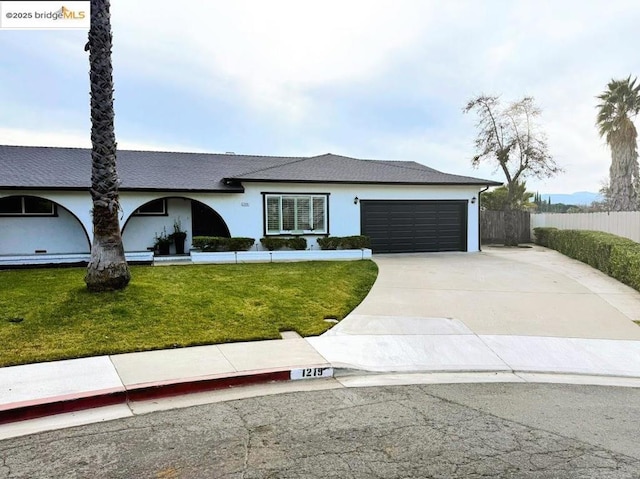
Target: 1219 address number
x: 309, y: 373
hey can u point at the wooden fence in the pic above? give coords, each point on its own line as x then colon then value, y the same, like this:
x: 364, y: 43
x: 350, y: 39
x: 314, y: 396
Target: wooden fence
x: 492, y: 226
x: 621, y: 223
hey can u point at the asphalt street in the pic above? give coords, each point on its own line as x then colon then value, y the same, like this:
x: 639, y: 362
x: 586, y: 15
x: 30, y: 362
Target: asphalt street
x: 448, y: 431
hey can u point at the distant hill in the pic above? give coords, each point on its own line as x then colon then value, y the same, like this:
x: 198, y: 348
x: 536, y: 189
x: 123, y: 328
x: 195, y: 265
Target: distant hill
x: 583, y: 198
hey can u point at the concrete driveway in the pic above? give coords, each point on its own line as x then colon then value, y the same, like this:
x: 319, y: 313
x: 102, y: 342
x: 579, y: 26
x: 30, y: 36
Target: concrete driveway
x: 515, y: 291
x: 514, y: 310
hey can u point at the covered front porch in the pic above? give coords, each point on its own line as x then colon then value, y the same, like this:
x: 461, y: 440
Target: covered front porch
x: 41, y: 229
x: 166, y: 226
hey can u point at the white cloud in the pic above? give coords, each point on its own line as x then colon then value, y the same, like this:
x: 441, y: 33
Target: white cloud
x: 269, y: 53
x: 76, y: 139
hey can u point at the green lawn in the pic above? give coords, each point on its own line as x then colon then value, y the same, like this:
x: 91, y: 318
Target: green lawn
x: 47, y: 314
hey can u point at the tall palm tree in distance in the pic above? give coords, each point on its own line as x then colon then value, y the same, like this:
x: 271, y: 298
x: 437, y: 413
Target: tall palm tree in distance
x: 620, y: 102
x: 107, y: 269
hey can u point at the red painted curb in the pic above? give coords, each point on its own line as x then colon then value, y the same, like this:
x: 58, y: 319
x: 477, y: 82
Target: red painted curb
x: 148, y: 392
x: 34, y: 410
x: 60, y: 405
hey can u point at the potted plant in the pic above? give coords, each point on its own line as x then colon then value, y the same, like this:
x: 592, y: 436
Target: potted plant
x: 162, y: 243
x: 178, y: 236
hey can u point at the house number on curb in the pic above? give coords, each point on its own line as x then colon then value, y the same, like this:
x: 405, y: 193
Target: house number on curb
x: 309, y: 373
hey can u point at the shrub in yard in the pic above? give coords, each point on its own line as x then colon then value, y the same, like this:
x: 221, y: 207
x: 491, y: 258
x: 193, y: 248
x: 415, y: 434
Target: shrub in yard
x: 616, y: 256
x: 273, y: 243
x: 344, y: 242
x: 297, y: 243
x: 240, y: 243
x: 542, y: 235
x: 207, y: 243
x: 625, y: 264
x: 355, y: 242
x: 328, y: 242
x: 276, y: 243
x: 218, y: 243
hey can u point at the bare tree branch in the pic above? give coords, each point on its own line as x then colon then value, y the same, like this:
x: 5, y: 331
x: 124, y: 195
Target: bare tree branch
x: 509, y: 139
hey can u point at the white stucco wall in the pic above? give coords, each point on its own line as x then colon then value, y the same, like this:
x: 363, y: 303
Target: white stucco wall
x: 53, y: 234
x: 344, y: 215
x: 243, y: 213
x: 139, y: 232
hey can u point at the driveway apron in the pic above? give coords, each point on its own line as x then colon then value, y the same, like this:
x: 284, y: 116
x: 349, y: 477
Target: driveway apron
x: 500, y: 291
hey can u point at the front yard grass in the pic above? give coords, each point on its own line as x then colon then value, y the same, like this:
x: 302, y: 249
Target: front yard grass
x: 47, y: 314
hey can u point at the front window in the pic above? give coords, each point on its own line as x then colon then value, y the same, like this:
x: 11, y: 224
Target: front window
x: 153, y: 208
x: 296, y: 214
x: 26, y: 206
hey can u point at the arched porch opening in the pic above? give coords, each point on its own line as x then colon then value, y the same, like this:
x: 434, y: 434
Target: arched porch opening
x: 162, y: 217
x: 35, y: 225
x: 205, y: 221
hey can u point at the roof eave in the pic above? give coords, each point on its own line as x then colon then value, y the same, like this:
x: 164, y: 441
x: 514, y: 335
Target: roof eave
x: 188, y: 190
x: 86, y: 188
x: 42, y: 188
x: 352, y: 182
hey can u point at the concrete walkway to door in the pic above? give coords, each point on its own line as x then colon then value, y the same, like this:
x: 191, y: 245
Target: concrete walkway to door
x: 504, y: 309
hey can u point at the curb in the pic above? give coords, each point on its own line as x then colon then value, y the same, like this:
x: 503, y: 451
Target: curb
x: 39, y: 408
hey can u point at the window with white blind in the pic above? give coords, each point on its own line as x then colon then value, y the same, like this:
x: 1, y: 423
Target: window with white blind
x: 295, y: 214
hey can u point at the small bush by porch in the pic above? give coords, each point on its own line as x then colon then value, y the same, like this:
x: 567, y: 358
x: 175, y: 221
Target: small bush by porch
x: 47, y: 314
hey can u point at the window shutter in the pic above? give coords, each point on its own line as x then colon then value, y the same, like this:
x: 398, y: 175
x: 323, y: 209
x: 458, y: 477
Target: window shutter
x: 288, y: 213
x: 273, y: 214
x: 319, y: 215
x: 303, y: 207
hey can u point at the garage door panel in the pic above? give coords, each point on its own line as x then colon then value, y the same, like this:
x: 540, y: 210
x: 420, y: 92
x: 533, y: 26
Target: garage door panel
x: 396, y: 226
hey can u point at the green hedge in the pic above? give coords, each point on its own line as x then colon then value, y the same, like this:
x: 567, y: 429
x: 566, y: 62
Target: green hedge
x: 616, y: 256
x: 273, y: 243
x: 542, y: 235
x: 328, y: 242
x: 218, y: 243
x: 344, y: 242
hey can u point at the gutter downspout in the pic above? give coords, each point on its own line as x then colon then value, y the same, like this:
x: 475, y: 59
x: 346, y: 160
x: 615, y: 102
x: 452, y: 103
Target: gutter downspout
x: 479, y: 205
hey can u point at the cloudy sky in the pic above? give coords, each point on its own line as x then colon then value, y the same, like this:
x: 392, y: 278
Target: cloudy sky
x: 381, y: 79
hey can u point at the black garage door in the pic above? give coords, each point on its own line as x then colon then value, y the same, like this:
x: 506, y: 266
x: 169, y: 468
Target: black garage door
x: 403, y: 226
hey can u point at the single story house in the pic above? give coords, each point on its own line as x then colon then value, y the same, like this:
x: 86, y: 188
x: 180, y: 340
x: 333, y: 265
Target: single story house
x: 403, y: 206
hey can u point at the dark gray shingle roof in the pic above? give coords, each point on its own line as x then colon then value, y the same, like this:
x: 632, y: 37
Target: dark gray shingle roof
x: 51, y: 167
x: 330, y: 168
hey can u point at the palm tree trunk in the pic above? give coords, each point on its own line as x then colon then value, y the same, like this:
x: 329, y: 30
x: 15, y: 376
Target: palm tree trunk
x: 107, y: 269
x: 623, y: 170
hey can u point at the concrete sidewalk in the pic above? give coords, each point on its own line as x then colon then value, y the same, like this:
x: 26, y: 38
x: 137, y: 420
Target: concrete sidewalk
x: 500, y: 315
x: 43, y: 389
x: 440, y: 351
x: 123, y: 385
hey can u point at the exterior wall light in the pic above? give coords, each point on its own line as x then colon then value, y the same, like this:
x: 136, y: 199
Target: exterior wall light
x: 473, y: 200
x: 355, y: 200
